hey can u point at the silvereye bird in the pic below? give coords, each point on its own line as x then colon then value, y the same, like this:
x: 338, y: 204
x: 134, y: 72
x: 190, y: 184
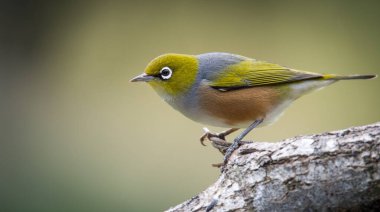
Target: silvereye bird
x: 228, y: 90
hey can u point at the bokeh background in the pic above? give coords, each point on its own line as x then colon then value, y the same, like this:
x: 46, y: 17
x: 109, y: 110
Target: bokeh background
x: 77, y: 136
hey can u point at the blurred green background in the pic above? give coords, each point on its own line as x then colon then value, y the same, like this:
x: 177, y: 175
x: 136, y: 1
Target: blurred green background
x: 77, y: 136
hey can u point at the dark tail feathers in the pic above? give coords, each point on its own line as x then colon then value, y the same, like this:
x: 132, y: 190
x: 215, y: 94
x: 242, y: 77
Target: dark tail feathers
x: 349, y: 77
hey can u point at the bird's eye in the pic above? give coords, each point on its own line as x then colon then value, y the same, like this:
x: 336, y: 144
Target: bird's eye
x: 166, y: 73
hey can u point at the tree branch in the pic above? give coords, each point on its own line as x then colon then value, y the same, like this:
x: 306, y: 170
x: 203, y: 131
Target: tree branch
x: 333, y: 170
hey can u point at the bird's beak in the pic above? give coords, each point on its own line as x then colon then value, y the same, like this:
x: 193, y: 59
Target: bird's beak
x: 142, y: 78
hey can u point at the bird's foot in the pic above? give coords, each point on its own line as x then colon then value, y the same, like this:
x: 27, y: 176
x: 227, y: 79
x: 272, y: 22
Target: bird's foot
x: 218, y: 140
x: 238, y: 141
x: 234, y: 146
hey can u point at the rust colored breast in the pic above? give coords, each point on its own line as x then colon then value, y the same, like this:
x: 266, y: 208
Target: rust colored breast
x: 239, y: 106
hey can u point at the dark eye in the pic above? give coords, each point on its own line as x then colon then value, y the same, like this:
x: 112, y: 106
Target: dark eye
x: 166, y: 73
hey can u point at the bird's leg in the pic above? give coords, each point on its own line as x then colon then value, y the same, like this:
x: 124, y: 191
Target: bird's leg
x: 237, y: 141
x: 218, y: 140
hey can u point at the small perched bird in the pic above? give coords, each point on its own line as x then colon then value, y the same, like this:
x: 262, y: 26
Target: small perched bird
x: 232, y: 91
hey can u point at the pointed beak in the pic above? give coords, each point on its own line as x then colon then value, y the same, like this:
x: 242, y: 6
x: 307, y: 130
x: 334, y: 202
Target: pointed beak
x: 142, y: 78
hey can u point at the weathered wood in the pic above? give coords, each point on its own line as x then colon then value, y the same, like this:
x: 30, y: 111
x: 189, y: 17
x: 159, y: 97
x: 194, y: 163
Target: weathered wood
x: 333, y: 170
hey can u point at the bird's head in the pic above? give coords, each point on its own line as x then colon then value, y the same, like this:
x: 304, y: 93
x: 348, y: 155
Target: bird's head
x: 170, y: 74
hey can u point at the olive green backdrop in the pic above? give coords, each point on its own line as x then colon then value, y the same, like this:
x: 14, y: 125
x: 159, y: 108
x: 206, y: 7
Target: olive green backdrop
x: 77, y: 136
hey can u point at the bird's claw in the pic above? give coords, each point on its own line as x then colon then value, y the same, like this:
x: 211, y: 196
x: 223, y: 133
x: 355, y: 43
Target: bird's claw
x: 204, y: 136
x: 218, y: 140
x: 212, y: 136
x: 217, y: 165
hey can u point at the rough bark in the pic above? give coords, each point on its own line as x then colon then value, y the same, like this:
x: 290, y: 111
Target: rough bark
x: 337, y: 170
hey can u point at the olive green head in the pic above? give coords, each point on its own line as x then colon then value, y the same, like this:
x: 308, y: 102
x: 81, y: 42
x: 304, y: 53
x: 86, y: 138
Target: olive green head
x: 170, y: 74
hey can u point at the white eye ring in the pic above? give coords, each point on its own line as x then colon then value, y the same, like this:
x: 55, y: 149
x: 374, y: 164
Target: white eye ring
x: 166, y: 73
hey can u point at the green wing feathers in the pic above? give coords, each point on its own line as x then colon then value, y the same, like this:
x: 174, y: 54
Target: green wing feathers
x: 251, y: 73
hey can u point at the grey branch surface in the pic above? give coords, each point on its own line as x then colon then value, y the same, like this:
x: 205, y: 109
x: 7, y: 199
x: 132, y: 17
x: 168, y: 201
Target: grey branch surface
x: 331, y: 171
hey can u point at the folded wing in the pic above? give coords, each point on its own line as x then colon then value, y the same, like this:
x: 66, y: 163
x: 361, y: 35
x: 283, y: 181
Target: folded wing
x: 250, y: 73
